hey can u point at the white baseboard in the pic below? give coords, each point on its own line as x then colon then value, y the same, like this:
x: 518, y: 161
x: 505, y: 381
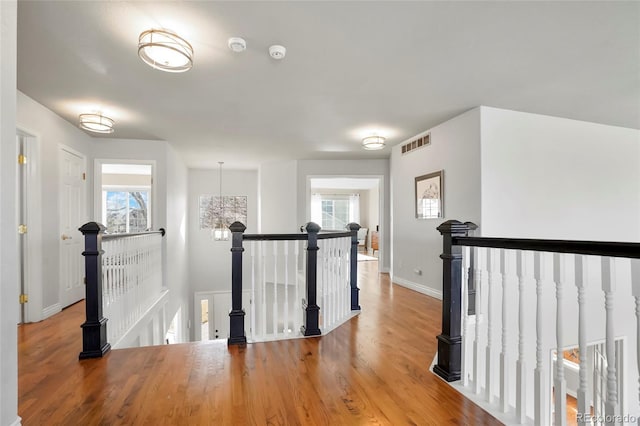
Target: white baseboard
x: 420, y: 288
x: 51, y: 310
x: 17, y: 422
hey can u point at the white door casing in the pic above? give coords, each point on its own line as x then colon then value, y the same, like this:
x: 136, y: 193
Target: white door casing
x: 72, y: 216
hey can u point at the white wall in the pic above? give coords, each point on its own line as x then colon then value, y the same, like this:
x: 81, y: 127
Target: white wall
x: 8, y: 221
x: 374, y: 208
x: 51, y: 131
x: 210, y: 261
x: 455, y: 148
x: 177, y: 273
x: 278, y: 197
x: 550, y: 177
x: 348, y: 168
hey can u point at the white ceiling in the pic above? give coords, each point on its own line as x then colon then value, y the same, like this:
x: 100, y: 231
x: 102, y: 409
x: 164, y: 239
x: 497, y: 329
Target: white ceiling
x: 397, y: 68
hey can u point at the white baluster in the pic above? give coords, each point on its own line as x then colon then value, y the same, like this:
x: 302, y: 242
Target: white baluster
x: 275, y: 288
x: 559, y: 382
x: 608, y: 286
x: 252, y: 248
x: 541, y: 400
x: 297, y: 310
x: 465, y: 316
x: 263, y: 252
x: 477, y: 277
x: 635, y: 285
x: 581, y: 283
x: 504, y: 356
x: 286, y: 287
x: 521, y: 369
x: 489, y: 389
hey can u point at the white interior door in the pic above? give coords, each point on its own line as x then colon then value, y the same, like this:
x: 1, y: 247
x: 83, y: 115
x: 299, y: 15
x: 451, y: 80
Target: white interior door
x: 72, y: 217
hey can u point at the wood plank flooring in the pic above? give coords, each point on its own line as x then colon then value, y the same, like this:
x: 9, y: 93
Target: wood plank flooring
x: 373, y: 370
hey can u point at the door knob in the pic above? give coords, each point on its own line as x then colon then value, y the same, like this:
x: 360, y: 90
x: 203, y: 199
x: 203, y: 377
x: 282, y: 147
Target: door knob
x: 66, y: 237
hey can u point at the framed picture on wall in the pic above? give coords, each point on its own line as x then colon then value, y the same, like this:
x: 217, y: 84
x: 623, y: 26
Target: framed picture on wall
x: 430, y: 196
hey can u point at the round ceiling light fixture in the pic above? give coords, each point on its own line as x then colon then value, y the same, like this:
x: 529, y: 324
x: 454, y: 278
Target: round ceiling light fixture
x: 237, y: 44
x: 165, y: 51
x: 277, y: 52
x: 96, y: 123
x: 374, y: 142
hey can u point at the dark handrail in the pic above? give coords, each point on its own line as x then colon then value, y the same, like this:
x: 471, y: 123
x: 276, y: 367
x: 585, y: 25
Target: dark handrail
x: 295, y: 237
x: 161, y: 231
x: 596, y: 248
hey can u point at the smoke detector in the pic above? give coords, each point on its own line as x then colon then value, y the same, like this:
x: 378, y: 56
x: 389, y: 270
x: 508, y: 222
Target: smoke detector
x: 237, y: 44
x: 277, y: 52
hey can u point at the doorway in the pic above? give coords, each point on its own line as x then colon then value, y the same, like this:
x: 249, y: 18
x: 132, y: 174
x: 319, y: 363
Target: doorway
x: 336, y: 201
x: 72, y: 196
x: 29, y: 216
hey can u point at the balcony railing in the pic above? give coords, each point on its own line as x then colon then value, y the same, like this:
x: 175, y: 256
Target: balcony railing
x: 292, y: 293
x: 534, y: 304
x: 123, y: 276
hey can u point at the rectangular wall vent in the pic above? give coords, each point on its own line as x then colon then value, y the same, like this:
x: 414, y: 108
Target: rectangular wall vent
x: 417, y: 143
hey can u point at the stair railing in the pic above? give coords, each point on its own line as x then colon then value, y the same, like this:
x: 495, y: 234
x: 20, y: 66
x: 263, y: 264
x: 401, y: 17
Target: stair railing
x: 501, y: 350
x: 293, y: 293
x: 123, y: 278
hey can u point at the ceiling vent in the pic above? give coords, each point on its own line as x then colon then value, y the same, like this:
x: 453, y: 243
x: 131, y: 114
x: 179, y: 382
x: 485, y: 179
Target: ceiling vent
x: 420, y: 142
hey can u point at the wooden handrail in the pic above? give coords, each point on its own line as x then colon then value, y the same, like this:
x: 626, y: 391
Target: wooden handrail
x: 293, y: 237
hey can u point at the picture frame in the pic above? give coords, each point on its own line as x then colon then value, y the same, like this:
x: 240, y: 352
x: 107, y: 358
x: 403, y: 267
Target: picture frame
x: 429, y: 195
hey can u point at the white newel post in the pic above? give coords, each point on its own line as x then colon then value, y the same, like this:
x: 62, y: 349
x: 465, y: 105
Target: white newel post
x: 504, y: 357
x: 521, y: 394
x: 559, y: 382
x: 541, y: 400
x: 608, y: 287
x: 583, y: 391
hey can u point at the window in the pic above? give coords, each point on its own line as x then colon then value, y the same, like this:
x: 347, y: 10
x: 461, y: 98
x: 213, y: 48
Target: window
x: 335, y: 212
x: 226, y: 209
x: 124, y: 196
x: 125, y: 210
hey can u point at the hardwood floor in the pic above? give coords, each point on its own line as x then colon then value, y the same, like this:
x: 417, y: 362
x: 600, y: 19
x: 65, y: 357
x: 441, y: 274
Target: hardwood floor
x: 373, y: 370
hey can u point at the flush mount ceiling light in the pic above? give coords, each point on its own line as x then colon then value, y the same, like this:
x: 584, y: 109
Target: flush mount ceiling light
x: 373, y: 142
x: 97, y: 123
x: 165, y: 51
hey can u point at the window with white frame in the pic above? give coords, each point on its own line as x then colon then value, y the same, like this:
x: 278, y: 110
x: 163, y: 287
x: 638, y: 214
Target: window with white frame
x: 125, y: 210
x: 334, y: 211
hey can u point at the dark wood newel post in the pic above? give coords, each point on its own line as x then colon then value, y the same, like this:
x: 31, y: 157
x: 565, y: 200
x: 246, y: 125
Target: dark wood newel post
x: 450, y: 340
x: 471, y: 306
x: 311, y: 326
x: 94, y: 329
x: 353, y: 279
x: 236, y: 316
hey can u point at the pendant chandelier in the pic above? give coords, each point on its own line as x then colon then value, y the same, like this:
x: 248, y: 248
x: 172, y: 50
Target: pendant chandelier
x: 221, y: 230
